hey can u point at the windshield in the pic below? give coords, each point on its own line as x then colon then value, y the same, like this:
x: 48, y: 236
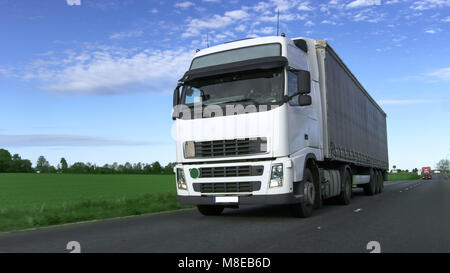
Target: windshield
x: 255, y: 87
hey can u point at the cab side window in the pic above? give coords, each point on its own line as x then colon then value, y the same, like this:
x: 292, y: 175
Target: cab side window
x: 192, y: 95
x: 292, y: 88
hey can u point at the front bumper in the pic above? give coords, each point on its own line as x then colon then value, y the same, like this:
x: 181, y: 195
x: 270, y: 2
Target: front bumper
x: 274, y: 199
x: 262, y: 195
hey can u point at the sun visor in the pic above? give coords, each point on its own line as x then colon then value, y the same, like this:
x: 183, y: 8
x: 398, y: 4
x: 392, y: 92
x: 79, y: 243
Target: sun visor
x: 253, y: 64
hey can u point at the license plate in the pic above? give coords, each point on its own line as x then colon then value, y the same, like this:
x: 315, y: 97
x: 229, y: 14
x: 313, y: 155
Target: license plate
x: 226, y: 199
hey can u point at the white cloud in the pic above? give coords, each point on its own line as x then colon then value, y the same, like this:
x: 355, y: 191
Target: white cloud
x: 226, y: 35
x: 266, y: 31
x: 195, y: 26
x: 129, y: 34
x: 283, y: 17
x: 438, y: 75
x: 328, y: 22
x: 429, y: 4
x: 110, y: 71
x: 399, y: 39
x: 154, y: 10
x: 5, y: 72
x: 368, y: 15
x: 283, y: 5
x: 433, y: 31
x: 263, y: 11
x: 237, y: 14
x: 184, y: 5
x: 240, y: 28
x: 261, y: 7
x: 446, y: 20
x: 384, y: 49
x: 363, y: 3
x: 305, y: 6
x: 442, y: 74
x: 73, y: 2
x: 309, y: 24
x: 220, y: 37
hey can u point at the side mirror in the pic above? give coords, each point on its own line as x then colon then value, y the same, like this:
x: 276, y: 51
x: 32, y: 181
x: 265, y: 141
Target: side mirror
x: 176, y: 95
x: 304, y: 100
x: 304, y: 81
x: 176, y: 100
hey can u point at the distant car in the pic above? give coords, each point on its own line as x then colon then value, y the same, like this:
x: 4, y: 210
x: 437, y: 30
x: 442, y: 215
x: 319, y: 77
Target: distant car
x: 436, y: 171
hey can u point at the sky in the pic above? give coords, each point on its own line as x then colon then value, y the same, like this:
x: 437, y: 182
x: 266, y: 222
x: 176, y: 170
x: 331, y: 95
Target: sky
x: 92, y: 80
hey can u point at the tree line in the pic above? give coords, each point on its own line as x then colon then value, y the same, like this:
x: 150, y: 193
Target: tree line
x: 15, y: 164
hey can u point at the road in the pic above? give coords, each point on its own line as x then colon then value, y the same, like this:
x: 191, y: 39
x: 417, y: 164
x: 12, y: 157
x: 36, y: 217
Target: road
x: 409, y: 216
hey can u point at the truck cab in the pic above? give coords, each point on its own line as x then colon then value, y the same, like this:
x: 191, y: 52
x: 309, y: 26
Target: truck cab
x: 250, y: 129
x: 426, y: 173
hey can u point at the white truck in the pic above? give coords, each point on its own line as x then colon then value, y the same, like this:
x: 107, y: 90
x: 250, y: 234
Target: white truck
x: 274, y: 120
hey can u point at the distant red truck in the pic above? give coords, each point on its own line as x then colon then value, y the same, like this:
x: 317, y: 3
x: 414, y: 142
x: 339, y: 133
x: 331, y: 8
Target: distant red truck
x: 426, y: 172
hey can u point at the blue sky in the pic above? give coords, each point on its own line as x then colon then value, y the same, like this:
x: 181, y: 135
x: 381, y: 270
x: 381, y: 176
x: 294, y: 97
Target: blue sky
x: 92, y: 80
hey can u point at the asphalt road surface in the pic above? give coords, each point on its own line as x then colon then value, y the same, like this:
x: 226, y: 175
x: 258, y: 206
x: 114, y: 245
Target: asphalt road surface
x: 409, y: 216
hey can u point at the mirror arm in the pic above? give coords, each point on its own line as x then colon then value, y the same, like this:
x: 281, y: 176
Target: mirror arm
x: 287, y: 98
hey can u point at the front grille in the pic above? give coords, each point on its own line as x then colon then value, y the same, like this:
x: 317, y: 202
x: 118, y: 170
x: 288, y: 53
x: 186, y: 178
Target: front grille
x: 231, y: 147
x: 227, y: 187
x: 231, y: 171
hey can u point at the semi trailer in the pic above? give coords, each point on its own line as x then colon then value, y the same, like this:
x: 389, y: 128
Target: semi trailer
x: 275, y: 120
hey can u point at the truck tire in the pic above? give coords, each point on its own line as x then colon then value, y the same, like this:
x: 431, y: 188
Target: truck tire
x: 304, y: 209
x: 346, y: 193
x: 381, y: 181
x: 210, y: 210
x: 378, y: 188
x: 369, y: 188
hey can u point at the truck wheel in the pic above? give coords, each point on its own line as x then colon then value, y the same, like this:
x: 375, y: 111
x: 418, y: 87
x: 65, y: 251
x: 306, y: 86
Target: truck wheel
x: 346, y: 193
x: 378, y: 190
x: 304, y: 209
x: 369, y: 188
x: 210, y: 210
x: 381, y: 181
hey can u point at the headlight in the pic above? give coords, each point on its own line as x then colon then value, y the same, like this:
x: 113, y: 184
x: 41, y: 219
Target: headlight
x: 181, y: 180
x: 276, y: 177
x: 189, y: 149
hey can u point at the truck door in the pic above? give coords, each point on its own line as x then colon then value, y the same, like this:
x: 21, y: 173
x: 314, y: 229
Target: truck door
x: 302, y: 120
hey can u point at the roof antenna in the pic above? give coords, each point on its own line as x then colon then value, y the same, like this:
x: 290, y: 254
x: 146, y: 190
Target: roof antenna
x: 207, y: 40
x: 278, y: 20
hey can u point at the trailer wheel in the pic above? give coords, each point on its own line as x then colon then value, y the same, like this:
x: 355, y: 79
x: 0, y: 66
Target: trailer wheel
x: 378, y: 176
x: 370, y: 188
x: 381, y: 181
x: 210, y: 210
x: 304, y: 209
x: 346, y: 193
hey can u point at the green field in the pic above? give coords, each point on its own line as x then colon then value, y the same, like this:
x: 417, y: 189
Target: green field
x: 34, y: 200
x: 402, y: 176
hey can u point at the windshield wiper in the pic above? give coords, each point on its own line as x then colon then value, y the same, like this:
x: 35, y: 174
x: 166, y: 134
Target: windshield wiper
x: 225, y: 102
x: 243, y: 100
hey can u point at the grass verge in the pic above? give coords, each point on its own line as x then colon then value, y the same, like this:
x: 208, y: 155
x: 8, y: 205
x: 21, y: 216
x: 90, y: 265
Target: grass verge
x: 16, y: 218
x: 402, y: 176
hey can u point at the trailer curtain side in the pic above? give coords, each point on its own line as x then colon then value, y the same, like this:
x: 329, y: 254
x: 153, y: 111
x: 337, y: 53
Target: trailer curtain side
x: 356, y: 125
